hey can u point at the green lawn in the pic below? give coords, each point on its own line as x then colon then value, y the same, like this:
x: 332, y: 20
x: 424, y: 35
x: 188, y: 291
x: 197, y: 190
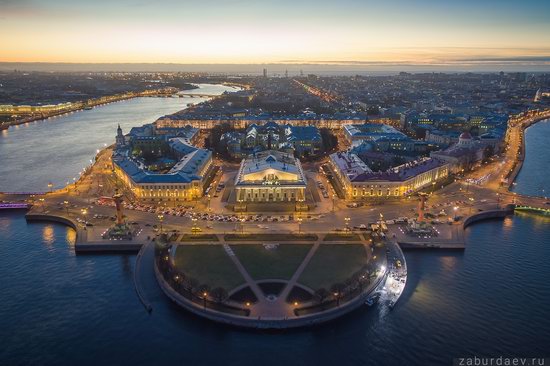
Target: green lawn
x: 333, y: 263
x: 198, y: 237
x: 279, y: 263
x: 342, y: 237
x: 271, y: 237
x: 209, y: 264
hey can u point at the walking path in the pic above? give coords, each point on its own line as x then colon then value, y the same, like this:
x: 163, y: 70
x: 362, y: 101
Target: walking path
x: 283, y: 295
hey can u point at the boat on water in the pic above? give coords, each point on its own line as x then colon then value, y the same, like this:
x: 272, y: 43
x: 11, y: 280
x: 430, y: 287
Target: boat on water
x: 4, y: 126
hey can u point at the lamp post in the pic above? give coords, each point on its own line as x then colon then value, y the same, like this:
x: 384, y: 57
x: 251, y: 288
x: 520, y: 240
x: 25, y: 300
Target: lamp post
x: 242, y: 224
x: 333, y: 199
x: 84, y: 212
x: 455, y: 210
x: 204, y: 294
x: 347, y: 220
x: 208, y: 203
x: 498, y: 201
x: 194, y: 225
x: 66, y: 203
x: 299, y: 219
x: 161, y: 218
x: 42, y: 204
x: 50, y: 186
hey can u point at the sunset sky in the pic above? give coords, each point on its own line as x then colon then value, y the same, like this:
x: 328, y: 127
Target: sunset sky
x: 283, y: 31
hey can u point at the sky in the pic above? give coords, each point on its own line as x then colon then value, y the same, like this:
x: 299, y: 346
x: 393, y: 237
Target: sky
x: 362, y: 32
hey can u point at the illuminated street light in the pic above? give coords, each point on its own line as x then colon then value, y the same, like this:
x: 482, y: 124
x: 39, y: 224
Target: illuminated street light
x: 50, y: 186
x: 194, y: 225
x: 161, y: 218
x: 84, y: 213
x: 347, y: 220
x: 299, y: 219
x: 455, y: 210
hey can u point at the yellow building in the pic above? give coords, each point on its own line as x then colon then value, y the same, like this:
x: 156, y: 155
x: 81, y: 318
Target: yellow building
x: 359, y: 182
x: 184, y: 182
x: 270, y: 176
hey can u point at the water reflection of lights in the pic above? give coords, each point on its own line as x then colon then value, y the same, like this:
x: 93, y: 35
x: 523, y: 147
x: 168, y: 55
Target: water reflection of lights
x: 70, y: 236
x: 508, y: 223
x: 449, y: 262
x: 48, y: 235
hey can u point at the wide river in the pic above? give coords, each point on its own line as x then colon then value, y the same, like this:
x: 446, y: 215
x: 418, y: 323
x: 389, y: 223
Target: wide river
x: 57, y: 149
x: 57, y: 308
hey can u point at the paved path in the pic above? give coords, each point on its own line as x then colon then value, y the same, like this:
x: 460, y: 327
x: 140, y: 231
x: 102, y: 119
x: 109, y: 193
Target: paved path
x: 290, y: 284
x: 248, y: 279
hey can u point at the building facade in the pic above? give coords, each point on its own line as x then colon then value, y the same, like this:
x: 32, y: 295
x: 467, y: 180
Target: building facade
x: 184, y: 180
x: 359, y: 182
x: 270, y: 176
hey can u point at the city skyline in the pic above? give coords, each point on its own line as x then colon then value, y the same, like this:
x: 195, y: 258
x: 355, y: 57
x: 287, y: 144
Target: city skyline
x: 351, y: 32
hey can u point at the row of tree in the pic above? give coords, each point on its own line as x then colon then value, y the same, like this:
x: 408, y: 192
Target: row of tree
x: 358, y: 281
x: 185, y: 285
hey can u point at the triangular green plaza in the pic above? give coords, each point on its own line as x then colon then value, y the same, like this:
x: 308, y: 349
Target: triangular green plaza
x: 264, y: 262
x: 332, y: 264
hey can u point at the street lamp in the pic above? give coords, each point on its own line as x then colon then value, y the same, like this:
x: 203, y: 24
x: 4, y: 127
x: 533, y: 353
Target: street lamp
x: 455, y: 210
x: 194, y: 226
x: 161, y: 218
x: 42, y: 203
x: 84, y: 212
x: 299, y: 219
x: 66, y: 203
x: 347, y: 220
x: 50, y: 186
x: 208, y: 204
x: 242, y: 225
x: 333, y: 199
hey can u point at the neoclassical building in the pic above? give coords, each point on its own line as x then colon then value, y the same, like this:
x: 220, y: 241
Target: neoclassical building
x: 359, y: 182
x: 270, y: 176
x: 178, y: 180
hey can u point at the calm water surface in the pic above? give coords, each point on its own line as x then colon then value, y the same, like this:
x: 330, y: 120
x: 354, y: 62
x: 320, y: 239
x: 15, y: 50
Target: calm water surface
x: 60, y: 309
x: 533, y: 178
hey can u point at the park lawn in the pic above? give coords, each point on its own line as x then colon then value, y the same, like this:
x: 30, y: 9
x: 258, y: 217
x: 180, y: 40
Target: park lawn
x: 198, y: 237
x: 209, y: 264
x: 342, y: 237
x: 333, y: 263
x: 270, y: 237
x: 279, y: 263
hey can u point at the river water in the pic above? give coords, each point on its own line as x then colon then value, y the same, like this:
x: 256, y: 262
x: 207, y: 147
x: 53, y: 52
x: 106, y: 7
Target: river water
x: 533, y: 178
x: 61, y: 309
x: 57, y: 149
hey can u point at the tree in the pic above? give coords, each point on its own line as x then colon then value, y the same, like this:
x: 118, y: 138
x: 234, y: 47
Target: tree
x: 191, y: 284
x: 337, y: 289
x: 214, y: 140
x: 321, y: 294
x: 488, y: 152
x: 330, y: 141
x: 219, y: 294
x: 204, y: 288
